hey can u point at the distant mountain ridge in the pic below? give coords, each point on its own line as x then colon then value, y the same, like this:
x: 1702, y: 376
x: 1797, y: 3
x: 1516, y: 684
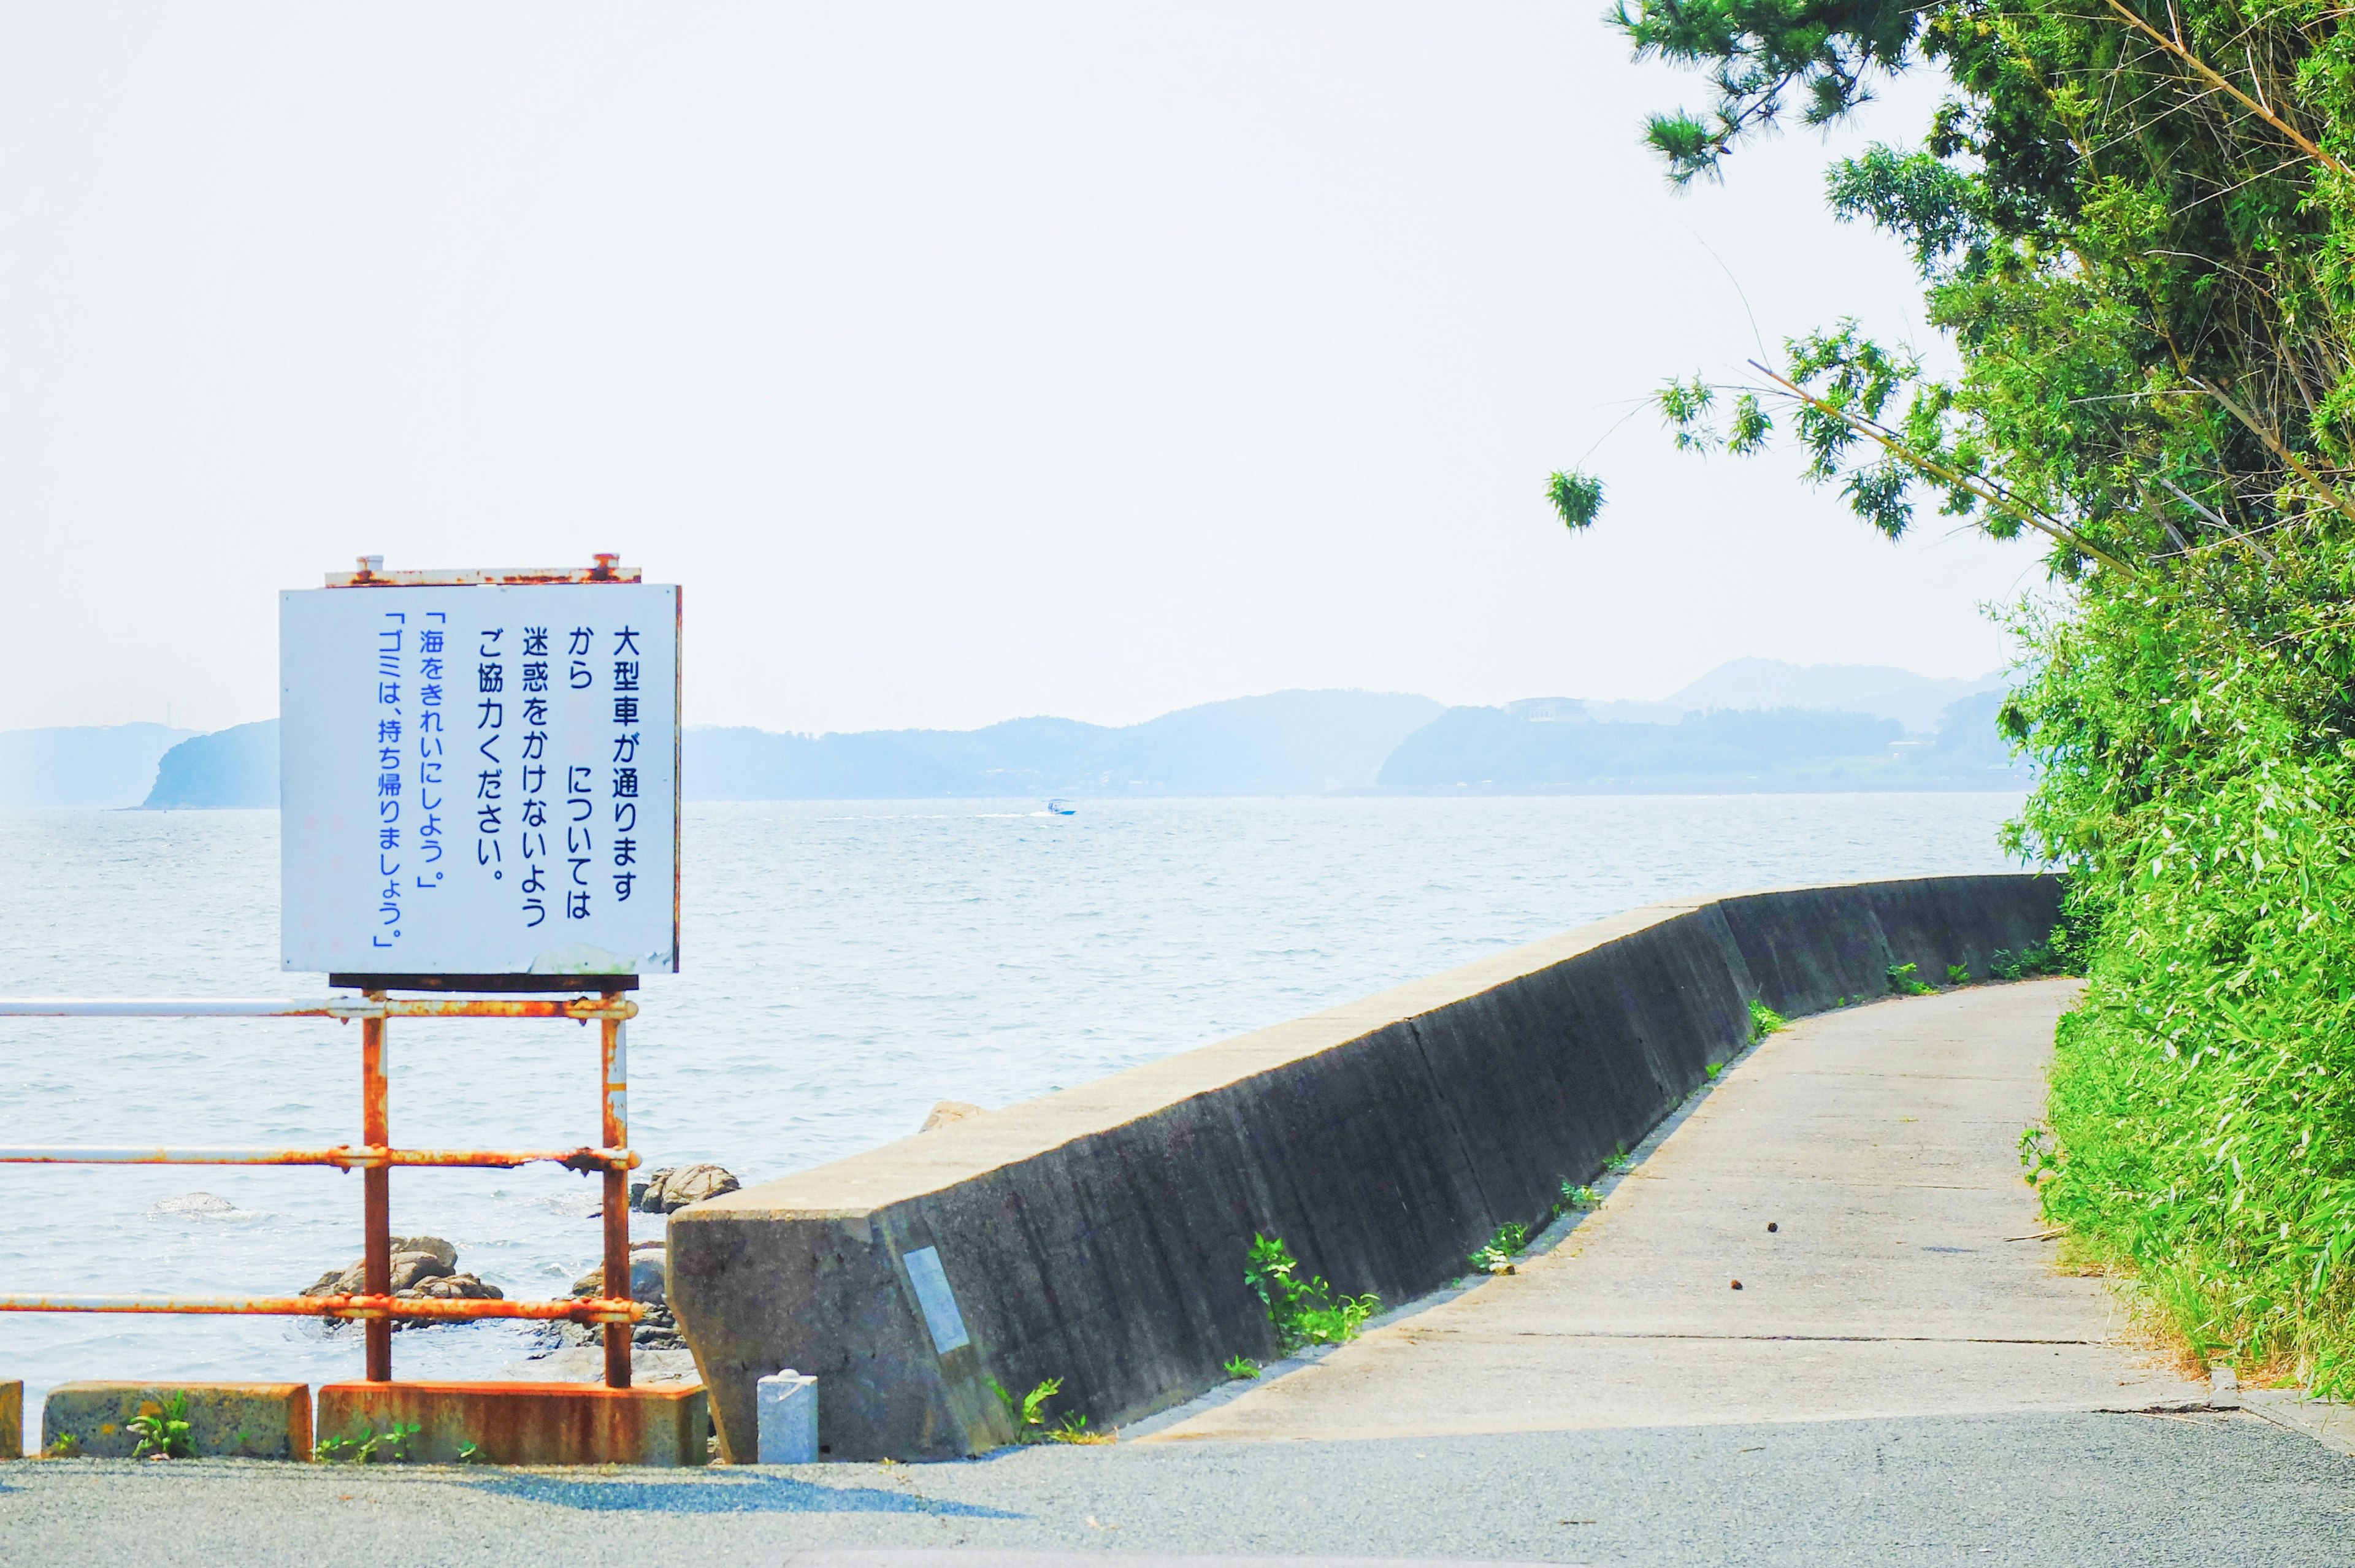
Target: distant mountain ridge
x: 1752, y: 724
x: 1290, y: 743
x: 1497, y: 749
x: 1549, y: 745
x: 1919, y: 702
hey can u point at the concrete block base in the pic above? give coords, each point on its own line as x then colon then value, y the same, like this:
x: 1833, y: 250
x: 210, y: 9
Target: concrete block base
x: 12, y: 1421
x: 523, y: 1423
x: 788, y: 1403
x: 226, y: 1421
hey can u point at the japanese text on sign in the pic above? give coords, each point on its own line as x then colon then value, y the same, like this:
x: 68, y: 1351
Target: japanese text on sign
x: 480, y: 779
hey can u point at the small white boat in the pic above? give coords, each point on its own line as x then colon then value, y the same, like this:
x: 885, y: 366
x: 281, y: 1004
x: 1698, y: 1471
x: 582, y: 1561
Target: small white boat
x: 1059, y: 809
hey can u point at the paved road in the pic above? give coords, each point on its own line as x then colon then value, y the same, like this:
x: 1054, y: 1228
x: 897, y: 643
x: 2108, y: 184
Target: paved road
x: 1881, y: 1143
x: 1896, y: 1382
x: 2024, y: 1489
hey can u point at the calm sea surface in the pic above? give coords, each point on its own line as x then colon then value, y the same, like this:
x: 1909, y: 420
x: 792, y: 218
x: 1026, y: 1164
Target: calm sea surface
x: 847, y: 965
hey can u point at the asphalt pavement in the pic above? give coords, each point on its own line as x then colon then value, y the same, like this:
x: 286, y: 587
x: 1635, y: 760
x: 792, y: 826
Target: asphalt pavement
x: 1905, y: 1377
x: 2034, y: 1488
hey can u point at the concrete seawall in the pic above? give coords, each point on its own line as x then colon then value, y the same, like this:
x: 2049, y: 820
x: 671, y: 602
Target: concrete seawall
x: 1098, y: 1235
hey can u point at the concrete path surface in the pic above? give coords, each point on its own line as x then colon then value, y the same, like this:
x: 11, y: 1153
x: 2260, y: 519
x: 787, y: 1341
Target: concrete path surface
x: 1899, y: 1381
x: 1903, y: 1275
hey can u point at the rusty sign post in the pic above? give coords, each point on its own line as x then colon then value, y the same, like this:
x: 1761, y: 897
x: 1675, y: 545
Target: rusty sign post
x: 375, y: 1200
x: 478, y: 800
x: 614, y: 1101
x: 481, y: 793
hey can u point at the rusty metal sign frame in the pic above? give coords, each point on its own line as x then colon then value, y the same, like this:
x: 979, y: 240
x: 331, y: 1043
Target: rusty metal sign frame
x: 374, y: 1157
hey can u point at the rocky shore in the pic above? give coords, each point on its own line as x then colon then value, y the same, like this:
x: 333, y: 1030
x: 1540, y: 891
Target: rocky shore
x: 674, y: 1186
x: 426, y: 1267
x: 657, y: 1330
x: 664, y: 1191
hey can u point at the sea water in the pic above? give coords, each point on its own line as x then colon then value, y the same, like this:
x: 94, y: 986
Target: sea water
x: 846, y: 964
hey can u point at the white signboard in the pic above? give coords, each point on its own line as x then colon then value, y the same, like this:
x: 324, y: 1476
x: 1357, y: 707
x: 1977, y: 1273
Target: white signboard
x: 479, y: 779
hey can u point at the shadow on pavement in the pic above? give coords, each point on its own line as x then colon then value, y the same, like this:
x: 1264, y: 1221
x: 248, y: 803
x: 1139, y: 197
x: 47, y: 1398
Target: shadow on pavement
x: 750, y: 1494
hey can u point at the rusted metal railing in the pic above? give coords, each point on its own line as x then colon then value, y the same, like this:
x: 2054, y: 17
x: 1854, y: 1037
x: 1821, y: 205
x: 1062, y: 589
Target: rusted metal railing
x: 374, y: 1158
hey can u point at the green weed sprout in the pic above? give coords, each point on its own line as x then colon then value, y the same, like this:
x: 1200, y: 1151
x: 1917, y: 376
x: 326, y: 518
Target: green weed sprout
x: 2051, y: 958
x: 164, y: 1434
x: 1511, y: 1238
x: 1073, y: 1428
x: 1621, y: 1162
x: 1302, y: 1312
x: 1906, y: 980
x: 1575, y: 1195
x: 1764, y: 1021
x: 1958, y: 974
x: 1028, y: 1412
x: 390, y: 1446
x: 2037, y: 1155
x: 1242, y: 1368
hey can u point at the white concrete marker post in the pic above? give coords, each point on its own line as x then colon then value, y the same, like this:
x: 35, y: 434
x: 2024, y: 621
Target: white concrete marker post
x: 788, y: 1410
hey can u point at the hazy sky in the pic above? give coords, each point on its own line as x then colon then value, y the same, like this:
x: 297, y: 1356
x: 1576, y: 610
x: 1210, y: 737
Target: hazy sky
x: 962, y: 362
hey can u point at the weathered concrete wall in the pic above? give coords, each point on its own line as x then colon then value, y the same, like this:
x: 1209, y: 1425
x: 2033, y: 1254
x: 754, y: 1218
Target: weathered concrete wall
x: 1098, y: 1235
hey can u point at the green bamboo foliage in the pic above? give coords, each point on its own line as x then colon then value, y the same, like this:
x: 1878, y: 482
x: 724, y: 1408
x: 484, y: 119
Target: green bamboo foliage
x: 2132, y: 222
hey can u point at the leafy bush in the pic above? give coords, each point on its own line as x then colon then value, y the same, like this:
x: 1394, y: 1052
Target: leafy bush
x: 1302, y: 1312
x: 2202, y: 1113
x: 2133, y: 225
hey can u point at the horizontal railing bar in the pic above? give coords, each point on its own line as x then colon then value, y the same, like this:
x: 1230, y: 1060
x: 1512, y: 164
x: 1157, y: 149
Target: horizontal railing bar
x: 585, y: 1309
x: 157, y: 1006
x: 581, y: 1007
x: 343, y: 1156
